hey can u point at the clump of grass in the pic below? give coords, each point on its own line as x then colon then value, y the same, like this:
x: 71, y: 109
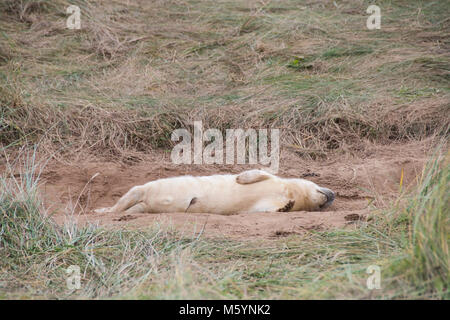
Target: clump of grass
x: 427, y: 261
x: 20, y: 211
x: 337, y: 52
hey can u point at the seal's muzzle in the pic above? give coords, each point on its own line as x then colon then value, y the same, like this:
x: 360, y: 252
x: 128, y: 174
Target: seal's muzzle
x: 330, y: 197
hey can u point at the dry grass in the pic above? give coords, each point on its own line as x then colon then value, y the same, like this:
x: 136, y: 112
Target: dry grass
x: 138, y: 70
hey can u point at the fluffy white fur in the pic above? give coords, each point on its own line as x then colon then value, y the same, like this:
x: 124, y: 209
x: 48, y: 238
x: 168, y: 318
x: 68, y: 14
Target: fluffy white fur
x: 247, y: 192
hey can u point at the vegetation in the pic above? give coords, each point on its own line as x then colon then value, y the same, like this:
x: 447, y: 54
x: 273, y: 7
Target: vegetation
x: 409, y: 244
x: 139, y: 69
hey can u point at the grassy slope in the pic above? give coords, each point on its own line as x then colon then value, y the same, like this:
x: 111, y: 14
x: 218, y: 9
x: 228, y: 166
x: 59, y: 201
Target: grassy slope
x: 143, y: 69
x: 136, y: 72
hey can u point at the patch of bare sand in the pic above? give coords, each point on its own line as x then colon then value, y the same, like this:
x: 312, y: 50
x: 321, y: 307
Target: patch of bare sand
x: 241, y: 226
x: 358, y: 181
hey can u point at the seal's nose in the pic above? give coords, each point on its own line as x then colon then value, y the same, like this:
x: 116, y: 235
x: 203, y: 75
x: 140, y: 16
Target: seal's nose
x: 330, y: 197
